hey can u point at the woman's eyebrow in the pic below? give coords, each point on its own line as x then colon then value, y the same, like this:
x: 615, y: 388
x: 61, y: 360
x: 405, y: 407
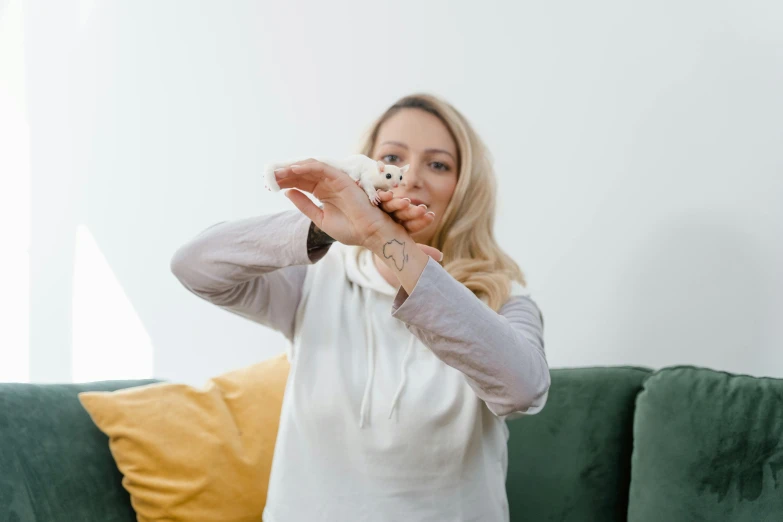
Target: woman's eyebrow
x: 399, y: 144
x: 443, y: 151
x: 395, y: 143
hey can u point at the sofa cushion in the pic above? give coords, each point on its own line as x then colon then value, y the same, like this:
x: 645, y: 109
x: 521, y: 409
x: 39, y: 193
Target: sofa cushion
x: 571, y: 462
x: 196, y: 454
x: 54, y: 463
x: 708, y: 446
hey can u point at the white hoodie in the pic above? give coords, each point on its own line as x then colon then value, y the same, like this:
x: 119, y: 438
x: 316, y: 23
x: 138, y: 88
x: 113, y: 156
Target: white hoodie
x: 395, y: 404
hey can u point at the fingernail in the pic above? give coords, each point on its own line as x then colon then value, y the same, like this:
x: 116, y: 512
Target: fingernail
x: 430, y: 212
x: 423, y: 206
x: 281, y: 173
x: 441, y: 257
x: 407, y: 199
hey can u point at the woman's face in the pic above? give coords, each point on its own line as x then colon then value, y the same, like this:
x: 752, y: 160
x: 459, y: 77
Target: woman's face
x: 417, y: 138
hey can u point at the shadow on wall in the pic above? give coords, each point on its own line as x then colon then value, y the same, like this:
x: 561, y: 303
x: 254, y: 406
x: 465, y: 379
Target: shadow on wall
x: 696, y: 291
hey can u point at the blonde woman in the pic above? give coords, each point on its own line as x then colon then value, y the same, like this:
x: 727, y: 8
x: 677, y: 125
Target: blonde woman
x: 412, y: 335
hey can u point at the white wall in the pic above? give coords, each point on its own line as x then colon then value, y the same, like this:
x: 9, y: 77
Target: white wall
x: 637, y: 145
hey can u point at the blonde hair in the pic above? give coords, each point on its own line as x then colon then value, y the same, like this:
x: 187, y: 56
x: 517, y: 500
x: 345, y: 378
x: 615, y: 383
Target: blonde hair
x: 465, y: 233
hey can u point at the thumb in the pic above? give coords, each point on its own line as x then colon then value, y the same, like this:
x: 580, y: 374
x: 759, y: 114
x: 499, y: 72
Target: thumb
x: 433, y: 252
x: 306, y: 206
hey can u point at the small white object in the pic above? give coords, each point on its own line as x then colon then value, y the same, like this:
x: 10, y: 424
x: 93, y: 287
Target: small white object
x: 372, y: 175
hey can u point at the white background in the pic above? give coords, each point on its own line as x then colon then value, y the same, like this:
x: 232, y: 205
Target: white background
x: 637, y: 144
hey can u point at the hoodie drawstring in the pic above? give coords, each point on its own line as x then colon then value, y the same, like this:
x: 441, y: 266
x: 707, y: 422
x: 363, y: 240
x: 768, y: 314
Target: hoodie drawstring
x: 370, y: 359
x: 404, y: 375
x: 370, y: 349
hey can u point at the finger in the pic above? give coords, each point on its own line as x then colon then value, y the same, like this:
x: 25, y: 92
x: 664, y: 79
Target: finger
x: 395, y: 204
x: 306, y: 206
x: 319, y: 170
x: 287, y: 178
x: 410, y: 212
x: 386, y: 195
x: 433, y: 252
x: 306, y: 181
x: 415, y: 225
x: 302, y: 184
x: 292, y: 163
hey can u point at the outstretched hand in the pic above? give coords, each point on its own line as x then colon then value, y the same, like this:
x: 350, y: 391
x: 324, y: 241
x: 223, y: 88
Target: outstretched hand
x: 347, y: 214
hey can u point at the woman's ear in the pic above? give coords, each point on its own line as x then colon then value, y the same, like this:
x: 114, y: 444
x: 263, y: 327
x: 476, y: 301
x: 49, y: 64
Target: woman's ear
x: 381, y: 166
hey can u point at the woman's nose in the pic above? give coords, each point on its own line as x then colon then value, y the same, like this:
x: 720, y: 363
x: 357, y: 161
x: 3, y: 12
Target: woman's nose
x: 410, y: 178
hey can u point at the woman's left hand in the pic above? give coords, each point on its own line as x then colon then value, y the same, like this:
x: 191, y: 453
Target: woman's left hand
x: 410, y: 216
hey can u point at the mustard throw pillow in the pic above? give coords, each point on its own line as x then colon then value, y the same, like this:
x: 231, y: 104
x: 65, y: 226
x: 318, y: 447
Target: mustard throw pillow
x: 195, y: 455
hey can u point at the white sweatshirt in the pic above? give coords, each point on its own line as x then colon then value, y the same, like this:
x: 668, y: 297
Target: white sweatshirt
x: 395, y: 404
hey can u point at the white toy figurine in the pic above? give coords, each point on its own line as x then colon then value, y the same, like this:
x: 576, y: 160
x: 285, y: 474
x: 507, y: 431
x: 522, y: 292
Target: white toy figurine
x: 368, y: 173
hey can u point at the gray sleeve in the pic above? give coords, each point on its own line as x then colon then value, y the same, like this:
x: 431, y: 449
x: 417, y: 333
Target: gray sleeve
x: 252, y: 267
x: 501, y: 353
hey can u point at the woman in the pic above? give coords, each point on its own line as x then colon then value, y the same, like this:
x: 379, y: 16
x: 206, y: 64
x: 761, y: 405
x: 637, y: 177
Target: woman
x: 403, y: 371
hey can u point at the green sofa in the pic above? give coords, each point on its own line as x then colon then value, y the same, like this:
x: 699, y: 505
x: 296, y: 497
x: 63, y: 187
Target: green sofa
x: 680, y: 444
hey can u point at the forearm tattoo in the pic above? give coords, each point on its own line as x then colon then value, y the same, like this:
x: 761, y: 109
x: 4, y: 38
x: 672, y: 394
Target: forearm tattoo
x: 317, y: 242
x: 395, y: 251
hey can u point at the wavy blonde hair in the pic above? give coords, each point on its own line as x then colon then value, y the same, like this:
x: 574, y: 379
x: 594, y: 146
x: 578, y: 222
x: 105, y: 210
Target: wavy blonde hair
x: 465, y: 233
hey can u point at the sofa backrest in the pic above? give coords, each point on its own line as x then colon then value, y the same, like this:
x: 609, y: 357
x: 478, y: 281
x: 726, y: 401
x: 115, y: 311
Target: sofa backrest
x: 708, y: 446
x: 572, y: 461
x: 54, y: 462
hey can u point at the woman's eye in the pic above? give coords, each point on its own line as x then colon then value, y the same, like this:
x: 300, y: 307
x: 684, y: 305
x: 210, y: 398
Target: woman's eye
x: 437, y: 165
x: 391, y: 158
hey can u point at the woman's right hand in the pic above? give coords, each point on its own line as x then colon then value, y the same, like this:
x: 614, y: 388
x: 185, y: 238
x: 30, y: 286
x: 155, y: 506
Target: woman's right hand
x: 347, y: 214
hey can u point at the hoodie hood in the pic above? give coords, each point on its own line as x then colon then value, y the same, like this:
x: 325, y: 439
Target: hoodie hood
x: 360, y: 269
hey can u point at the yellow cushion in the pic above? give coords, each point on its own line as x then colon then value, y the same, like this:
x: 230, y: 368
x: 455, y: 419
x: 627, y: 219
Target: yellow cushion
x: 195, y: 455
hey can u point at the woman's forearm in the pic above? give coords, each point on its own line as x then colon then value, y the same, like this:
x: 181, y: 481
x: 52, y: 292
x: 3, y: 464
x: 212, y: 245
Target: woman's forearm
x: 318, y: 242
x: 253, y: 267
x: 394, y: 246
x: 501, y: 353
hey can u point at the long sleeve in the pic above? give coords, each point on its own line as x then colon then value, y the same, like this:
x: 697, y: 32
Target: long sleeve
x: 501, y: 353
x: 252, y: 267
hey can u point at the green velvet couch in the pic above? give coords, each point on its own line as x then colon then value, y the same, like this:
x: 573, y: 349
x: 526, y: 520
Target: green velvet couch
x: 680, y: 444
